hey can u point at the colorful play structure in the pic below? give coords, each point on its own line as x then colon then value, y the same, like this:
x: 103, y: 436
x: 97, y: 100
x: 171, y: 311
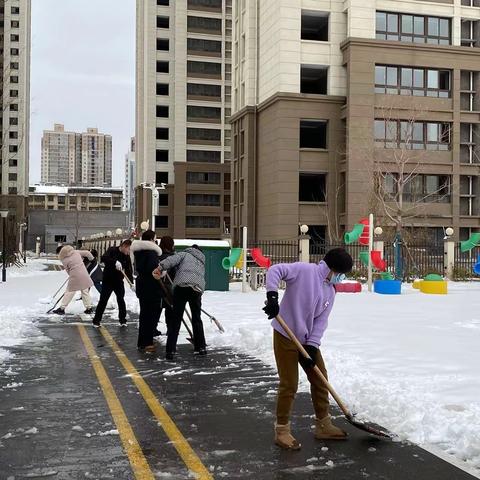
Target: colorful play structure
x: 236, y: 258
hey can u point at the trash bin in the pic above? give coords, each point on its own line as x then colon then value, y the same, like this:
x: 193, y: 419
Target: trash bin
x: 217, y: 278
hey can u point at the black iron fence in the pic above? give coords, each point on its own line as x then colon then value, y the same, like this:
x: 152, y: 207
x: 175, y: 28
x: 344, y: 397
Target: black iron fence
x: 465, y: 262
x: 279, y: 251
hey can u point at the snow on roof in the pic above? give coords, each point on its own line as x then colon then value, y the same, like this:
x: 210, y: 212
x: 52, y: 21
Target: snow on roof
x: 49, y: 189
x: 58, y: 189
x: 202, y: 243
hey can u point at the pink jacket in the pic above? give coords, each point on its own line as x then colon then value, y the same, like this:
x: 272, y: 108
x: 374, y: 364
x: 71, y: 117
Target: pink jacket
x: 72, y: 260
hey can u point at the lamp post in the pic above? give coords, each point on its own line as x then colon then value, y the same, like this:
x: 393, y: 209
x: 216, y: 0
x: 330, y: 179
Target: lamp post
x: 37, y: 246
x: 4, y: 215
x: 155, y: 196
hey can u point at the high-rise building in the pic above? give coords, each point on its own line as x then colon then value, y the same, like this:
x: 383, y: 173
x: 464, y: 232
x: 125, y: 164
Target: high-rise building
x: 15, y: 34
x: 61, y: 156
x: 183, y: 110
x: 70, y: 158
x: 129, y: 187
x: 339, y: 105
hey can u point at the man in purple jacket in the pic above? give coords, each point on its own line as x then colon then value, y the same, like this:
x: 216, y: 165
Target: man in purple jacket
x: 305, y: 307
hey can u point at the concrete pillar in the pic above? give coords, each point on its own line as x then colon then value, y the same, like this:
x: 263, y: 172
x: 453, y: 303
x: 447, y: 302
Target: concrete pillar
x: 304, y: 248
x: 449, y: 258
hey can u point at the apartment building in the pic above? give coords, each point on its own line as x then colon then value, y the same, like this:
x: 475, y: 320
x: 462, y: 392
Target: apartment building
x: 332, y: 100
x: 15, y: 31
x: 53, y: 197
x: 183, y: 110
x: 130, y: 182
x: 71, y: 158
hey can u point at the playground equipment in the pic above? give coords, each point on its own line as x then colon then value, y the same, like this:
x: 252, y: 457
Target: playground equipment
x: 355, y: 234
x: 476, y: 267
x: 434, y: 287
x: 348, y: 287
x: 377, y: 261
x: 387, y: 287
x: 471, y: 243
x: 236, y: 259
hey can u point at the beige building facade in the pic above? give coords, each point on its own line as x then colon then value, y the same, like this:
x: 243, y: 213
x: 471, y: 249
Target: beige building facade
x: 15, y: 39
x: 183, y: 134
x: 329, y: 95
x: 71, y: 158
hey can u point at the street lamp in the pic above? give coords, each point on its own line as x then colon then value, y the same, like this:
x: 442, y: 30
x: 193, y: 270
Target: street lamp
x: 37, y: 246
x: 155, y: 196
x: 109, y: 233
x: 118, y: 231
x: 4, y: 215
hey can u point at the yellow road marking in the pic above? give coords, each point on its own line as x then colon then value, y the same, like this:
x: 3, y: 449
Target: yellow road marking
x: 190, y: 458
x: 134, y: 452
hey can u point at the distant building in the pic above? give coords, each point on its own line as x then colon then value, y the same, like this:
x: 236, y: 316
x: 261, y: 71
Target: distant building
x: 130, y: 179
x: 71, y: 158
x: 15, y: 36
x: 52, y: 197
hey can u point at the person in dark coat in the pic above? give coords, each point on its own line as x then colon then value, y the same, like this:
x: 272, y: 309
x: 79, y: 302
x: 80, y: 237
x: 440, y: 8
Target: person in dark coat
x: 117, y: 262
x: 168, y: 249
x: 95, y: 271
x: 147, y: 254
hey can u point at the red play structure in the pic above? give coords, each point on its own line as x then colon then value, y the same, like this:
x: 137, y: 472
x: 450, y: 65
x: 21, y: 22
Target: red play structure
x: 259, y: 258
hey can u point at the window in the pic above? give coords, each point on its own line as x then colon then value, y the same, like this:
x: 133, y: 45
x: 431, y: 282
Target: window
x: 13, y: 79
x: 163, y: 200
x: 163, y: 44
x: 12, y: 190
x: 15, y: 24
x: 204, y: 178
x: 412, y: 135
x: 13, y: 93
x: 162, y: 133
x: 14, y: 51
x: 161, y: 177
x: 204, y: 134
x: 469, y: 139
x: 12, y: 177
x: 204, y: 25
x: 162, y: 66
x: 412, y: 28
x: 163, y: 3
x: 311, y: 187
x: 203, y: 156
x: 13, y: 162
x: 14, y: 107
x: 162, y: 88
x: 313, y: 79
x: 314, y: 26
x: 420, y: 82
x: 161, y: 221
x: 313, y: 134
x: 60, y: 238
x: 15, y: 10
x: 202, y: 222
x: 205, y: 4
x: 161, y: 156
x: 13, y: 148
x: 469, y: 33
x: 204, y: 69
x: 162, y: 111
x: 163, y: 22
x: 14, y: 37
x: 471, y: 3
x: 14, y: 65
x: 12, y: 134
x: 204, y: 47
x: 203, y: 114
x: 203, y: 200
x: 428, y: 189
x: 200, y: 90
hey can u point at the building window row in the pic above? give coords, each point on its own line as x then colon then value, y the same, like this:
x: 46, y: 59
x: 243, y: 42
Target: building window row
x: 471, y: 3
x: 203, y: 156
x: 420, y: 82
x: 418, y: 188
x: 204, y: 25
x: 211, y: 5
x: 204, y: 69
x: 204, y: 178
x: 203, y: 200
x: 202, y: 222
x: 413, y: 28
x: 413, y: 135
x: 204, y: 47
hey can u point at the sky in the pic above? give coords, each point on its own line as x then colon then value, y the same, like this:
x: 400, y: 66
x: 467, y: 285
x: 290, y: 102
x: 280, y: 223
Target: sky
x: 83, y: 72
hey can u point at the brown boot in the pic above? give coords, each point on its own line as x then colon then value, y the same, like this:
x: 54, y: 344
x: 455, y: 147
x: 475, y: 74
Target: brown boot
x: 284, y: 439
x: 326, y: 430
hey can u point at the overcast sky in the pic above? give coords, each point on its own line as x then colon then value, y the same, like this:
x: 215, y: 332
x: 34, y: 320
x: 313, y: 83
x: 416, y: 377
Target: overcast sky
x: 83, y: 72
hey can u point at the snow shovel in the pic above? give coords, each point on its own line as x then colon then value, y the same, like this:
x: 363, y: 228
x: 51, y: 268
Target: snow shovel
x: 61, y: 286
x: 169, y: 302
x: 50, y: 310
x: 214, y: 320
x: 130, y: 284
x: 348, y: 415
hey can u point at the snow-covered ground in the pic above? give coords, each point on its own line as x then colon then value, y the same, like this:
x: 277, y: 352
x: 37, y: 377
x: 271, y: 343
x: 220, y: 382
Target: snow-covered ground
x: 408, y: 362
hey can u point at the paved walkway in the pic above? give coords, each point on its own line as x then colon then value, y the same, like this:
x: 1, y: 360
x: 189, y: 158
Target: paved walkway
x: 86, y: 404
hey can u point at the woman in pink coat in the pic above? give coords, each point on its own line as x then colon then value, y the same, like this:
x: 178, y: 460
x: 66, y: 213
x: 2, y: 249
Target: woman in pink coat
x: 78, y: 277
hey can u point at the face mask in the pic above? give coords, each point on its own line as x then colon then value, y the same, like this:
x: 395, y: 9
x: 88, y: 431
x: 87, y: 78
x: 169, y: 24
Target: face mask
x: 337, y: 278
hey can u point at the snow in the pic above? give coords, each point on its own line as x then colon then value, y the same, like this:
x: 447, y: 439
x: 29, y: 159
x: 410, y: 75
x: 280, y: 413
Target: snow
x: 409, y: 362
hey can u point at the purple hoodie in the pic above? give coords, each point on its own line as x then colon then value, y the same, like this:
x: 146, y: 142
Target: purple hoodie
x: 307, y: 301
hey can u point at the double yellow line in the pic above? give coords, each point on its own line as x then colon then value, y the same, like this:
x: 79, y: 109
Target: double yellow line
x: 132, y: 448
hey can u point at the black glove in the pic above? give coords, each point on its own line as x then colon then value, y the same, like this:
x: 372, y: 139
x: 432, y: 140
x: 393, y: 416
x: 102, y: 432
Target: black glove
x: 307, y: 363
x: 271, y: 307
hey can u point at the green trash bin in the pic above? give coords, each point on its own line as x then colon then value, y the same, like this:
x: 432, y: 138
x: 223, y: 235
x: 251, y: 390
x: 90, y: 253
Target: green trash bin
x: 217, y: 278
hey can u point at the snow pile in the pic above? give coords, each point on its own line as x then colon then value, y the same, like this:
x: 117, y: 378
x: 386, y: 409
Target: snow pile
x: 408, y: 362
x: 31, y: 268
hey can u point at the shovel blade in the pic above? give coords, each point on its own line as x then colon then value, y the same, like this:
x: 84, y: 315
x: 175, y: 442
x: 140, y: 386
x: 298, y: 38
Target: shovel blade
x: 367, y: 428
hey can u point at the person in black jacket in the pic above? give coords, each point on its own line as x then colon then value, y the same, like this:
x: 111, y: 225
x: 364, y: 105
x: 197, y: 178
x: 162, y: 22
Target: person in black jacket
x: 95, y: 271
x: 117, y: 262
x: 146, y: 254
x: 167, y: 246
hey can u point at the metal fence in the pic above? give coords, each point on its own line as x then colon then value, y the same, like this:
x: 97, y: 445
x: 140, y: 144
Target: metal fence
x: 279, y: 251
x: 465, y: 261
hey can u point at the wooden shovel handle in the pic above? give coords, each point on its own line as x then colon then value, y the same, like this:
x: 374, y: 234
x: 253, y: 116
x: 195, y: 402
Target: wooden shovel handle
x: 127, y: 279
x: 319, y: 373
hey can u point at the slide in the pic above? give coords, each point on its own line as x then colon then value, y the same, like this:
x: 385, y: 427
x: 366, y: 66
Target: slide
x: 377, y: 261
x: 365, y: 236
x: 259, y: 259
x: 364, y: 257
x: 472, y: 242
x: 229, y: 262
x: 355, y: 234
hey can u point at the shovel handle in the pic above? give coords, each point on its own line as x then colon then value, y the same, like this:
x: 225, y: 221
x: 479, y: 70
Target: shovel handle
x: 127, y: 279
x: 319, y: 373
